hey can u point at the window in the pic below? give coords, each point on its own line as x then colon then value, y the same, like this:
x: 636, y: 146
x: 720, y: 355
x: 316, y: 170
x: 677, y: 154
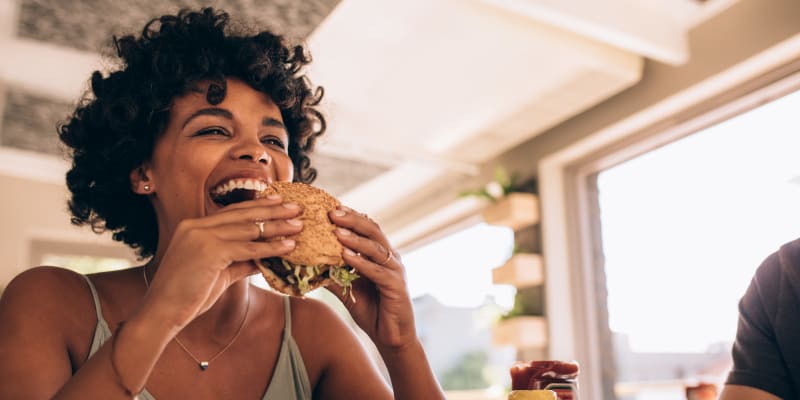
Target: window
x: 84, y: 258
x: 682, y: 228
x: 85, y: 264
x: 456, y: 305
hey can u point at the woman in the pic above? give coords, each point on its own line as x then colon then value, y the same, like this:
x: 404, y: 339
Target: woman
x: 193, y: 106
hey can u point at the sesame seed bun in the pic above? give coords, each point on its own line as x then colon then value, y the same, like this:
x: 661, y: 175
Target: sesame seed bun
x: 316, y: 245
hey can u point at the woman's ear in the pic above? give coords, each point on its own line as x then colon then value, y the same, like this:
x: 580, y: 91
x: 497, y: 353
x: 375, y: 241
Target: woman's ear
x: 141, y: 182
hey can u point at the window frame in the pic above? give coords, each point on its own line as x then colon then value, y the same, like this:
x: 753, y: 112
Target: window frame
x: 572, y: 247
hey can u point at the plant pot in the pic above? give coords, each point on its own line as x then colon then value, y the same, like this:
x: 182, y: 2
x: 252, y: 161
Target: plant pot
x: 522, y: 332
x: 521, y: 270
x: 516, y: 210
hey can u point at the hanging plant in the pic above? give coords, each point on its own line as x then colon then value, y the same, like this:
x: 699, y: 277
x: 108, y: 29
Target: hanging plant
x: 499, y: 187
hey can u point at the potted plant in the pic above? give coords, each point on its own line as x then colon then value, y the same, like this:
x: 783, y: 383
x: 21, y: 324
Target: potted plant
x: 512, y: 203
x: 524, y: 326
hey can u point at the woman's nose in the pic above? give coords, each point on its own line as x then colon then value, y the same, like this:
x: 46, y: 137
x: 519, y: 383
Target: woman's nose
x: 251, y: 151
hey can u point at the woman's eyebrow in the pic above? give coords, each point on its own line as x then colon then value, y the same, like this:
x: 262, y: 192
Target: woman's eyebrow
x: 272, y: 122
x: 215, y: 111
x: 221, y: 112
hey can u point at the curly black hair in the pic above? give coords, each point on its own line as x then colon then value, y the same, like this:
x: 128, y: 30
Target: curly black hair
x: 114, y: 128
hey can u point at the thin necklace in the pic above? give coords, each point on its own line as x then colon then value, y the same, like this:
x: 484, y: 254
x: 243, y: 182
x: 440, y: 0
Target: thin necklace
x: 204, y: 364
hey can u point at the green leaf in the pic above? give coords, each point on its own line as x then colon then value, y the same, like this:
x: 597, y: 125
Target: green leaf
x: 501, y: 177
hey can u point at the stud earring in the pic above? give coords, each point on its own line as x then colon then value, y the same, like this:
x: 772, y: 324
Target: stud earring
x: 146, y: 187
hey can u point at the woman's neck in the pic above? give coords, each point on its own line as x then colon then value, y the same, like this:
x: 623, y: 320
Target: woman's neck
x: 220, y: 321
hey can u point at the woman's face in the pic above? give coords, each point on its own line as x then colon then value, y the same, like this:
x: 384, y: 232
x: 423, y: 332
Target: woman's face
x: 207, y: 149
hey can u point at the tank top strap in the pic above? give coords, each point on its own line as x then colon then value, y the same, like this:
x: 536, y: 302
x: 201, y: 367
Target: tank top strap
x: 102, y: 333
x: 290, y: 378
x: 96, y: 299
x: 287, y: 318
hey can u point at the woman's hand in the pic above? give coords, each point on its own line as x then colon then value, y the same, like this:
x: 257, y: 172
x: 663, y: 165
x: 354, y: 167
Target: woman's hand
x: 383, y: 306
x: 206, y: 255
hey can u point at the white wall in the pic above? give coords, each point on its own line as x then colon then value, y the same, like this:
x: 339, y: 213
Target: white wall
x: 31, y: 210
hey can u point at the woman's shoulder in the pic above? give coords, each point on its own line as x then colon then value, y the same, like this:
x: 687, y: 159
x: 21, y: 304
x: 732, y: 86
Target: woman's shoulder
x: 317, y: 325
x: 45, y: 297
x: 43, y: 282
x: 305, y: 311
x: 311, y: 312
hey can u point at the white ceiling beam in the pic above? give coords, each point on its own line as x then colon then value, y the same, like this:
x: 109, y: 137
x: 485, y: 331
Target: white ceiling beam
x: 642, y: 27
x: 379, y: 194
x: 45, y: 69
x: 391, y: 157
x: 32, y: 166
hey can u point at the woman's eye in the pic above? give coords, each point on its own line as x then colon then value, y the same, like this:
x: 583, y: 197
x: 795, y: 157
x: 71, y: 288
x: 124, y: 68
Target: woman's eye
x: 212, y: 131
x: 272, y: 140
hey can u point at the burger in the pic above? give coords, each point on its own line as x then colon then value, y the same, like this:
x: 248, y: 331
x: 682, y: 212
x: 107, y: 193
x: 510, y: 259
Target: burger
x: 316, y: 260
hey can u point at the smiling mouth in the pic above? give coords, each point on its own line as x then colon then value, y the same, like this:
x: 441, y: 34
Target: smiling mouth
x: 236, y: 191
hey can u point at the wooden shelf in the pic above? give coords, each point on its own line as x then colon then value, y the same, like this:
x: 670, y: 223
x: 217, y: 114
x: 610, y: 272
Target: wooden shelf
x: 521, y: 270
x: 522, y: 332
x: 516, y: 210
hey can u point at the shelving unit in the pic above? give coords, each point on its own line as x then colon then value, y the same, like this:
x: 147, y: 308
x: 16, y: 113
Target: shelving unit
x: 521, y: 270
x: 527, y: 333
x: 524, y: 332
x: 516, y: 210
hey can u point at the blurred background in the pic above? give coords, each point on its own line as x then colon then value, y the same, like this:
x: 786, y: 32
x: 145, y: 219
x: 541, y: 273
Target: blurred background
x: 593, y: 180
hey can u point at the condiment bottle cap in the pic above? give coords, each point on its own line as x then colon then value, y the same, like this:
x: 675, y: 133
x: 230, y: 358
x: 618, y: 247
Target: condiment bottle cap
x: 532, y: 395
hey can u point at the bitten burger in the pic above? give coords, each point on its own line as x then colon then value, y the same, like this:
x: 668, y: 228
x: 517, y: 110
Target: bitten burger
x: 316, y: 260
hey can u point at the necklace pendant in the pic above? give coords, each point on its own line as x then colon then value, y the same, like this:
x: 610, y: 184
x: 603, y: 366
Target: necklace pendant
x: 203, y: 365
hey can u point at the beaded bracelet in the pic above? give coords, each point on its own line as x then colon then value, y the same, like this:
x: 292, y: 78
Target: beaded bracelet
x: 118, y: 376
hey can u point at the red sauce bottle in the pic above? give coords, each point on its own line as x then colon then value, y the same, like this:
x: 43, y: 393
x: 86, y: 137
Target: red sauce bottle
x: 701, y: 391
x: 558, y: 376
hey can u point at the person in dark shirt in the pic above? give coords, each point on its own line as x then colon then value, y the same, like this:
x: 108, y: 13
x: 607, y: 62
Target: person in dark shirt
x: 766, y: 354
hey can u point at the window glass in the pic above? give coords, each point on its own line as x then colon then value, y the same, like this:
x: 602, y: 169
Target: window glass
x: 85, y: 264
x: 456, y: 304
x: 684, y: 228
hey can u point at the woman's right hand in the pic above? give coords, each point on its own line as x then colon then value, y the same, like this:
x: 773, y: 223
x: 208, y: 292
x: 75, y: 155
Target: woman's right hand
x: 206, y: 255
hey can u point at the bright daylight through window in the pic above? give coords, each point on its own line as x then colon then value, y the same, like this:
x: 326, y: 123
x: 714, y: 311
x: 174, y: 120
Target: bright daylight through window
x: 684, y: 228
x: 456, y: 304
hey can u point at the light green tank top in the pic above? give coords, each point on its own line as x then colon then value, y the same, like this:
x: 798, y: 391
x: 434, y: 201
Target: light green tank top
x: 289, y: 380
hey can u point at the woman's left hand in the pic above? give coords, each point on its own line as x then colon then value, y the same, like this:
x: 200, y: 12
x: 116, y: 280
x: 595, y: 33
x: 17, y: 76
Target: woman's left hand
x: 383, y: 305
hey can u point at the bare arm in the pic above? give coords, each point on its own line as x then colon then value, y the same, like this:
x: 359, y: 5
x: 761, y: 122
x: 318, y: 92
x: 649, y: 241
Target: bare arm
x: 347, y: 372
x: 383, y: 308
x: 136, y: 349
x: 412, y: 377
x: 738, y: 392
x: 204, y: 257
x: 34, y: 349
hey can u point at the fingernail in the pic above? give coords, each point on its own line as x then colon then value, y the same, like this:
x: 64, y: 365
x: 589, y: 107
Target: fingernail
x: 295, y: 222
x: 287, y: 242
x: 343, y: 231
x: 339, y: 213
x: 291, y: 206
x: 274, y: 196
x: 349, y: 252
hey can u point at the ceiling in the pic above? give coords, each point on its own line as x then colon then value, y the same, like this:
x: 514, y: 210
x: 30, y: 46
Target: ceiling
x: 420, y: 94
x: 76, y: 33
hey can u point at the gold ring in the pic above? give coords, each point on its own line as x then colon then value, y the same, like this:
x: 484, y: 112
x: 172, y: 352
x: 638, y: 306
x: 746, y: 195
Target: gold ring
x: 388, y: 257
x: 260, y: 224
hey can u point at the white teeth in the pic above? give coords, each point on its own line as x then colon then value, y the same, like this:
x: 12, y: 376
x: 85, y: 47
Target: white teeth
x: 246, y: 184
